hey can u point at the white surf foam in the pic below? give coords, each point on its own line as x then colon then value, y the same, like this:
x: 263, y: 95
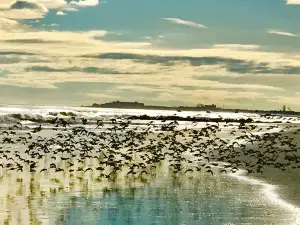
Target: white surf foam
x: 269, y: 191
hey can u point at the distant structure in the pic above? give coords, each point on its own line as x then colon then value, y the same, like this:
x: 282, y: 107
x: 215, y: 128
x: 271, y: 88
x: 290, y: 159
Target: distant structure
x: 213, y: 106
x: 138, y: 105
x: 284, y: 108
x: 199, y: 107
x: 118, y: 104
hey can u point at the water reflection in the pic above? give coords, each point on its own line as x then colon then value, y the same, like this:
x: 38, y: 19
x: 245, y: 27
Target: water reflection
x: 205, y: 200
x: 65, y: 199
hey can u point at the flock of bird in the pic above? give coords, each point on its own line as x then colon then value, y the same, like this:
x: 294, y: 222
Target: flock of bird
x: 118, y: 146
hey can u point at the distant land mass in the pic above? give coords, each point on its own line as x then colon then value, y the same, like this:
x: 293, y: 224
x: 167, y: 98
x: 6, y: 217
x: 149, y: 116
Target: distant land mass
x: 199, y: 107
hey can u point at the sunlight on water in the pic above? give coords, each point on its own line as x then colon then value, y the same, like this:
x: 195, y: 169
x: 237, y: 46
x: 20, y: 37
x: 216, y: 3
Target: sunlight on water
x: 208, y: 200
x: 202, y: 200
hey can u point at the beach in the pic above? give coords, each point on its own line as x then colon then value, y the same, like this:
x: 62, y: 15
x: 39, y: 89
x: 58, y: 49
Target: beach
x: 51, y: 188
x: 288, y: 181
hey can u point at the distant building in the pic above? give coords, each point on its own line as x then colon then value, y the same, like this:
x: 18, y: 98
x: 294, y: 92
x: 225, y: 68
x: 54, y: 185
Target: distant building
x: 138, y: 105
x: 118, y: 104
x: 213, y: 106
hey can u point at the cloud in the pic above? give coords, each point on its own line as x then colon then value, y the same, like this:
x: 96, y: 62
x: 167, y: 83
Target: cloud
x: 84, y: 3
x: 280, y: 32
x: 34, y: 41
x: 292, y: 2
x: 61, y: 13
x: 122, y: 71
x: 70, y: 9
x: 236, y: 46
x: 9, y: 25
x: 88, y: 69
x: 23, y: 9
x: 285, y: 81
x: 96, y: 33
x: 36, y: 9
x: 84, y: 44
x: 225, y: 72
x: 53, y: 4
x: 49, y: 4
x: 22, y: 14
x: 15, y: 53
x: 35, y: 21
x: 54, y: 25
x: 237, y: 66
x: 288, y: 100
x: 59, y: 37
x: 127, y: 74
x: 28, y: 5
x: 185, y: 22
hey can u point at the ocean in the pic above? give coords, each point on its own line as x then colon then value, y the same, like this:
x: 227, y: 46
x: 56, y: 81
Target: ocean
x: 198, y: 198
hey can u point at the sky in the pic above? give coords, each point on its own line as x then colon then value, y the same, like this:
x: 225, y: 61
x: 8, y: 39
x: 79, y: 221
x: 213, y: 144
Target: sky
x: 233, y: 53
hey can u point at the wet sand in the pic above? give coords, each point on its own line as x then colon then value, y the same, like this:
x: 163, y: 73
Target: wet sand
x: 288, y: 181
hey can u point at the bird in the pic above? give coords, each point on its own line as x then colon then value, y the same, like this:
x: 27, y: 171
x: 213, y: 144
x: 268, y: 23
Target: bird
x: 210, y: 171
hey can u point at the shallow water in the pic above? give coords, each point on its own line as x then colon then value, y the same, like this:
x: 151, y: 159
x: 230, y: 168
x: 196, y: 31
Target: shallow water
x: 202, y: 200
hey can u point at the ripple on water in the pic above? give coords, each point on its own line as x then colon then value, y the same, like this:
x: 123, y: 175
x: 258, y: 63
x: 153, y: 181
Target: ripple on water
x: 205, y: 200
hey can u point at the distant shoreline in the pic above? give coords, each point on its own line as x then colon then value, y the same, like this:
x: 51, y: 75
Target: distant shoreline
x: 188, y: 108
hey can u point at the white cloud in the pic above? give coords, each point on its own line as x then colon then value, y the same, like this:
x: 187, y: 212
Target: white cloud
x: 236, y: 46
x: 22, y: 9
x: 72, y: 45
x: 85, y: 3
x: 62, y: 50
x: 36, y: 9
x: 185, y: 22
x: 130, y: 72
x: 21, y: 14
x: 61, y: 13
x: 73, y: 38
x: 7, y: 24
x: 164, y: 77
x: 115, y: 33
x: 280, y: 32
x: 84, y: 43
x: 96, y: 33
x: 288, y: 100
x: 70, y: 9
x: 28, y: 5
x: 6, y: 2
x: 101, y: 96
x: 49, y: 4
x: 53, y: 4
x: 292, y: 2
